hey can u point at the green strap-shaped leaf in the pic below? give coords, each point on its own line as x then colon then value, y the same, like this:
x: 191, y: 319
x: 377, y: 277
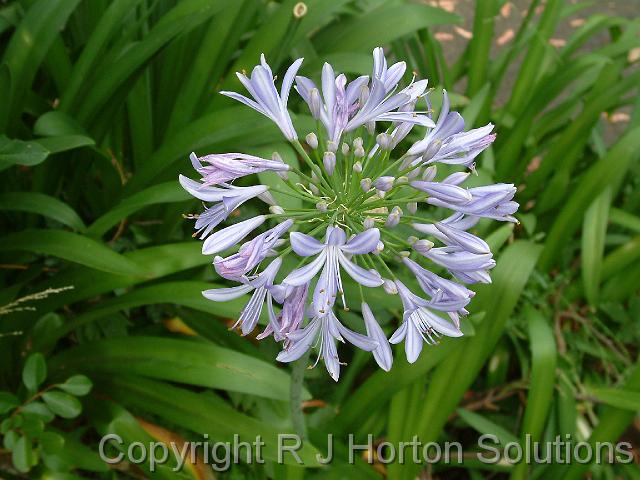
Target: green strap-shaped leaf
x: 42, y: 204
x: 609, y: 170
x: 26, y: 50
x: 541, y: 383
x: 483, y: 425
x: 188, y: 294
x: 593, y: 235
x: 162, y: 193
x: 201, y: 413
x: 72, y: 247
x: 612, y: 422
x: 617, y: 398
x: 382, y: 25
x: 185, y: 16
x: 183, y: 361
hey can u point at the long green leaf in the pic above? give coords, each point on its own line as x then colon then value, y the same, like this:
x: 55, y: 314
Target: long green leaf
x: 183, y: 361
x: 541, y: 385
x: 201, y: 413
x: 593, y: 236
x: 183, y: 17
x: 72, y: 247
x: 42, y: 204
x: 26, y: 50
x: 609, y: 170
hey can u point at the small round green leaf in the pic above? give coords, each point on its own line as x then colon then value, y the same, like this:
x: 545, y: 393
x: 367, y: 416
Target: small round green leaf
x: 78, y: 385
x: 40, y: 410
x: 5, y: 426
x: 8, y: 401
x: 32, y: 425
x: 34, y: 372
x: 63, y: 404
x: 10, y: 440
x: 51, y: 442
x: 21, y: 454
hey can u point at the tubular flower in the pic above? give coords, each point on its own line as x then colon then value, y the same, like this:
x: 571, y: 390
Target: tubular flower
x: 363, y: 209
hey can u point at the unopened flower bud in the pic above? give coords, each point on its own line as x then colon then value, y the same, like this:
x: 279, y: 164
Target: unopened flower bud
x: 312, y: 140
x: 329, y: 161
x: 368, y: 223
x: 365, y: 184
x: 404, y: 254
x: 389, y: 286
x: 412, y: 207
x: 300, y: 9
x: 429, y: 173
x: 384, y: 183
x: 313, y: 188
x: 314, y: 177
x: 332, y: 146
x: 267, y: 198
x: 315, y: 103
x: 371, y: 127
x: 414, y: 173
x: 380, y: 193
x: 322, y: 206
x: 397, y: 210
x: 379, y: 248
x: 412, y: 239
x: 384, y: 140
x: 422, y: 246
x: 357, y: 167
x: 277, y: 209
x: 358, y: 152
x: 357, y: 142
x: 345, y: 148
x: 392, y: 220
x: 402, y: 180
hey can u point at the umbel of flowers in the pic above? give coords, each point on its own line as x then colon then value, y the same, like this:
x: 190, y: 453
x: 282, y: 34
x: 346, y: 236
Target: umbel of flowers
x: 356, y: 189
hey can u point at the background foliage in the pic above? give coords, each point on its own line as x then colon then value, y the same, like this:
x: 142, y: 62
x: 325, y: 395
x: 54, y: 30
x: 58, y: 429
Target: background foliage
x: 103, y: 328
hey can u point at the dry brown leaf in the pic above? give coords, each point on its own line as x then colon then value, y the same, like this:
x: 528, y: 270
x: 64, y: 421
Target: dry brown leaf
x: 463, y: 33
x: 443, y: 36
x: 557, y: 42
x: 505, y: 10
x: 506, y: 37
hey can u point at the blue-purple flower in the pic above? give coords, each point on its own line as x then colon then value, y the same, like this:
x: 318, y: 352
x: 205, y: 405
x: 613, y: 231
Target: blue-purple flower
x: 356, y: 198
x: 266, y: 98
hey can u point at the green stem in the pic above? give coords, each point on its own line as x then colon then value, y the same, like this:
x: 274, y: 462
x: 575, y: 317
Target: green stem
x: 298, y: 370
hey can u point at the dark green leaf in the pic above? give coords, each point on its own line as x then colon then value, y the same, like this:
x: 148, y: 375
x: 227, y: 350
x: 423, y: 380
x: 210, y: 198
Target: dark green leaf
x: 62, y: 404
x: 17, y: 152
x: 21, y: 454
x: 8, y: 401
x: 78, y: 385
x: 34, y: 371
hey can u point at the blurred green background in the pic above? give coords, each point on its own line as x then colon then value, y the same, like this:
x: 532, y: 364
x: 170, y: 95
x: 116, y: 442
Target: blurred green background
x: 102, y: 325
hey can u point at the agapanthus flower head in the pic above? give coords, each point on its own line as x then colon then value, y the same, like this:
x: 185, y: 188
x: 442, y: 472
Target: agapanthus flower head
x: 369, y: 215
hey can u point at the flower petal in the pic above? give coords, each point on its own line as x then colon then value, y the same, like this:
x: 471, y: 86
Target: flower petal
x: 362, y: 243
x: 229, y: 236
x: 361, y: 341
x: 304, y: 274
x: 359, y: 274
x: 226, y: 294
x: 382, y: 354
x: 305, y: 245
